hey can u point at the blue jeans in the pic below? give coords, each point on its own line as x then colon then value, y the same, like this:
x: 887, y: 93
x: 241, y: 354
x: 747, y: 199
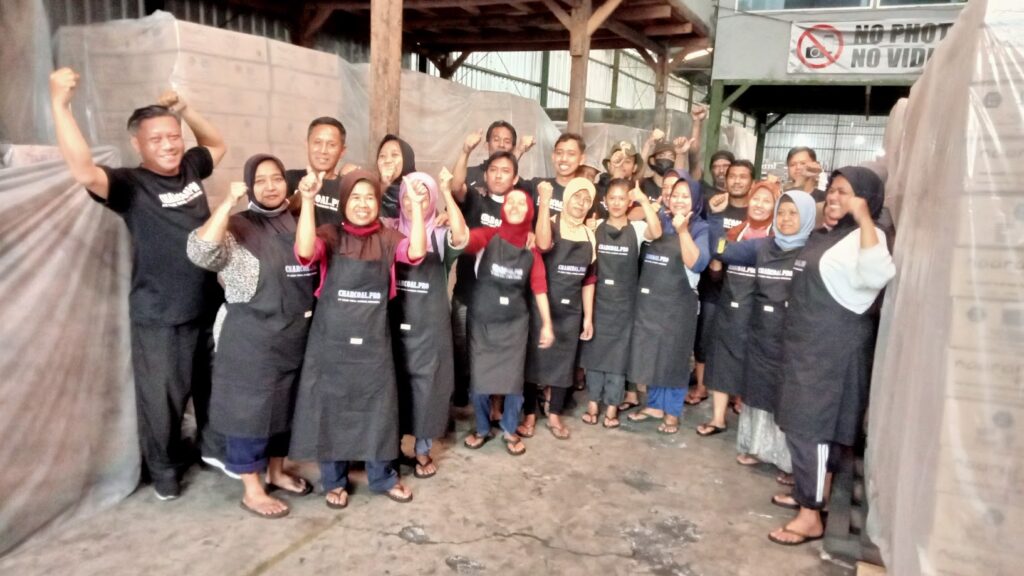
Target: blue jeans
x: 249, y: 455
x: 334, y: 474
x: 509, y: 415
x: 423, y: 446
x: 669, y: 400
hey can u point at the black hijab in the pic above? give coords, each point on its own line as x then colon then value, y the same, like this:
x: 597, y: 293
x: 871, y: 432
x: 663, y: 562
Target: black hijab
x: 867, y: 185
x: 389, y: 203
x: 259, y: 219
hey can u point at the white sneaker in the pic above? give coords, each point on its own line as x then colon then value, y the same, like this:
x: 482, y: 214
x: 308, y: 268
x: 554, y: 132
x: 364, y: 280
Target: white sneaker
x: 211, y: 461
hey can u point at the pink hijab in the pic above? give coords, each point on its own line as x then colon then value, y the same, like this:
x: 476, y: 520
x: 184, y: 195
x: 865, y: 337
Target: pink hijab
x: 429, y: 215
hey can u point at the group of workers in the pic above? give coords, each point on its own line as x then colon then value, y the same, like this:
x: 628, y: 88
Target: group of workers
x: 336, y: 333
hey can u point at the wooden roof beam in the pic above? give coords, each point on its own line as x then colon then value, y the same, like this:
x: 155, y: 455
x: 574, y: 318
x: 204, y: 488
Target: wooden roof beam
x: 634, y: 13
x: 636, y: 38
x: 676, y: 29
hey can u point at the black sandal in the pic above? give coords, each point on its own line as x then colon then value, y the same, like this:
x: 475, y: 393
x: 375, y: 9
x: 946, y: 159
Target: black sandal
x: 714, y: 429
x: 476, y: 446
x: 416, y: 469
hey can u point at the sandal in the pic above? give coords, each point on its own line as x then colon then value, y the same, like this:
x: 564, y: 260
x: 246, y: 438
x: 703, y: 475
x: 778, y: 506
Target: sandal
x: 710, y: 429
x: 475, y: 442
x: 589, y: 418
x: 611, y: 423
x: 668, y: 429
x: 801, y: 538
x: 642, y: 416
x: 693, y: 400
x: 510, y: 442
x: 400, y: 499
x: 337, y: 505
x: 306, y: 488
x: 422, y: 465
x: 628, y: 406
x: 746, y: 460
x: 785, y: 479
x: 560, y: 432
x: 525, y: 431
x: 777, y: 500
x: 271, y: 516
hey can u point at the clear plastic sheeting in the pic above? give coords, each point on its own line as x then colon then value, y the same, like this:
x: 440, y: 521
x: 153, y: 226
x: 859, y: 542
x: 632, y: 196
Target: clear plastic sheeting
x: 67, y: 414
x: 945, y: 465
x: 261, y: 94
x: 25, y: 59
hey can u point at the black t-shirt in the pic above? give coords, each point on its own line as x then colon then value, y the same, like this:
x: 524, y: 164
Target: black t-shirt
x: 557, y: 191
x: 475, y: 179
x: 709, y: 289
x: 328, y: 210
x: 651, y: 188
x: 478, y: 210
x: 161, y: 211
x: 819, y: 195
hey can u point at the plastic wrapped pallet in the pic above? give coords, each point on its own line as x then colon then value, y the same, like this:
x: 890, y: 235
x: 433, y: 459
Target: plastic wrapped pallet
x: 261, y: 94
x: 946, y: 423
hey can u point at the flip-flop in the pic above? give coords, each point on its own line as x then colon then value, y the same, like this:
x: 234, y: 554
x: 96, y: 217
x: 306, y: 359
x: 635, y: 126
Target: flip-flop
x: 664, y: 429
x: 334, y: 506
x: 786, y: 505
x: 785, y: 479
x: 642, y: 417
x: 751, y: 462
x: 804, y: 539
x: 610, y: 426
x: 593, y: 418
x: 558, y: 432
x: 509, y: 443
x: 399, y: 499
x: 714, y: 430
x: 628, y: 406
x: 307, y: 488
x: 698, y: 401
x: 256, y: 512
x: 483, y: 439
x: 416, y: 471
x: 520, y: 431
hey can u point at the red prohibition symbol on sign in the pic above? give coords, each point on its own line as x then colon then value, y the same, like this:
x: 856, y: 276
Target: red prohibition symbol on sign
x: 811, y: 48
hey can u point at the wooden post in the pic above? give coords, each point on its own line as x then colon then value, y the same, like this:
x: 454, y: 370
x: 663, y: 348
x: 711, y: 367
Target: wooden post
x: 761, y: 128
x: 579, y: 51
x: 661, y: 92
x: 385, y: 68
x: 714, y: 125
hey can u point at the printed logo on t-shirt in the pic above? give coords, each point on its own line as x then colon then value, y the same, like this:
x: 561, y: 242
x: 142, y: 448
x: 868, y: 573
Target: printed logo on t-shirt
x: 774, y: 273
x: 326, y: 202
x: 187, y: 194
x: 299, y: 271
x: 656, y: 259
x: 729, y: 223
x: 570, y: 270
x: 745, y: 271
x: 506, y: 272
x: 613, y: 249
x: 555, y: 204
x: 414, y: 286
x: 799, y: 265
x: 359, y: 297
x: 489, y: 221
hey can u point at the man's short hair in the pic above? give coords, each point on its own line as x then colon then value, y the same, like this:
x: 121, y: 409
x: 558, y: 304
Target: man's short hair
x: 723, y: 155
x: 572, y: 136
x: 502, y: 124
x: 147, y: 112
x: 506, y: 155
x: 743, y: 164
x: 798, y: 149
x: 327, y: 121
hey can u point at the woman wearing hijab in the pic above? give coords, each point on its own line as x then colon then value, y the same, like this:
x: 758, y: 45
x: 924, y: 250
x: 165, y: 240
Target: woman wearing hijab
x: 723, y: 373
x: 499, y: 317
x: 758, y: 438
x: 666, y: 307
x: 829, y: 342
x: 259, y: 355
x: 347, y: 405
x: 420, y: 317
x: 568, y: 248
x: 395, y: 159
x: 606, y: 356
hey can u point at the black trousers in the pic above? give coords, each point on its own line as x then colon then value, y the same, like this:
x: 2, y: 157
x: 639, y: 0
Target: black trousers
x: 812, y: 460
x: 460, y: 343
x: 172, y: 364
x: 532, y: 399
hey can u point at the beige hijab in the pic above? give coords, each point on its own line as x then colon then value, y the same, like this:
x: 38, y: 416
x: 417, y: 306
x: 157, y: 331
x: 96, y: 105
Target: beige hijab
x: 575, y: 229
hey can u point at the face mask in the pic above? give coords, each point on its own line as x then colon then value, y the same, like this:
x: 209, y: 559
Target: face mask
x: 662, y: 166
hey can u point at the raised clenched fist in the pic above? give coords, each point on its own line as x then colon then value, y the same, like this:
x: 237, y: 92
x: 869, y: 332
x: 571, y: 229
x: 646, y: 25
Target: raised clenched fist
x: 699, y: 112
x: 62, y: 85
x: 472, y: 141
x: 172, y: 100
x: 545, y: 192
x: 682, y: 144
x: 444, y: 181
x: 311, y: 183
x: 238, y: 190
x: 657, y: 135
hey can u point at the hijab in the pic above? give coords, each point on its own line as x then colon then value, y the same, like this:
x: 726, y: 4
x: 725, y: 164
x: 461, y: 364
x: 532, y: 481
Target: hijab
x: 249, y: 176
x: 751, y: 229
x: 404, y: 224
x: 697, y: 222
x: 867, y: 185
x: 390, y: 206
x: 516, y: 234
x: 575, y: 229
x: 808, y: 212
x: 345, y: 187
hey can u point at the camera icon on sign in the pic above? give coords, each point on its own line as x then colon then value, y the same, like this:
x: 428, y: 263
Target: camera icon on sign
x: 812, y: 52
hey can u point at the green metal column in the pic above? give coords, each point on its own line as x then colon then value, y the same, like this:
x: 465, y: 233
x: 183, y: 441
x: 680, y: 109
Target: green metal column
x: 714, y: 126
x: 545, y: 67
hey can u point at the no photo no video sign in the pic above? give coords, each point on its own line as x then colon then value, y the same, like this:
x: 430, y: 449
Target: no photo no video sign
x: 889, y: 47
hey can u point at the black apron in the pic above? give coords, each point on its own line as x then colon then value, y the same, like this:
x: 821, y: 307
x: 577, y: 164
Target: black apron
x: 424, y: 360
x: 727, y: 355
x: 565, y: 266
x: 618, y: 269
x: 259, y: 354
x: 347, y: 407
x: 498, y: 320
x: 666, y: 318
x: 827, y: 354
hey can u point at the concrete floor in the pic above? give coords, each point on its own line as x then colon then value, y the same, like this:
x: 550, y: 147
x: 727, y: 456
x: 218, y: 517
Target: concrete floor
x: 626, y: 501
